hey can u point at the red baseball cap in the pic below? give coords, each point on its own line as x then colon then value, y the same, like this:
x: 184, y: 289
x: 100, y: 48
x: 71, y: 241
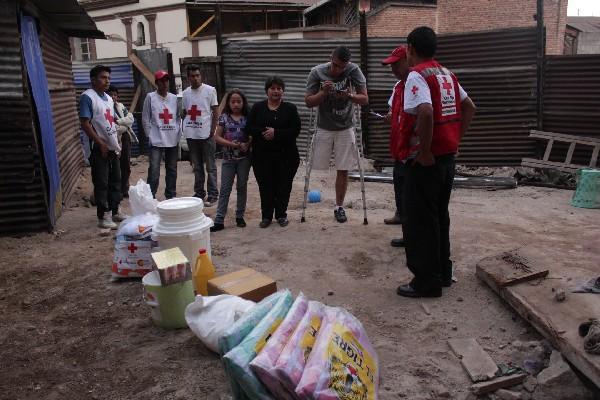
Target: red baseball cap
x: 398, y: 54
x: 160, y: 74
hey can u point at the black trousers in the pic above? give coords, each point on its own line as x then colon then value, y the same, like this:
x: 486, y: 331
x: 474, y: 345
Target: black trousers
x: 274, y: 174
x: 106, y: 177
x: 125, y: 163
x: 398, y: 176
x: 427, y: 226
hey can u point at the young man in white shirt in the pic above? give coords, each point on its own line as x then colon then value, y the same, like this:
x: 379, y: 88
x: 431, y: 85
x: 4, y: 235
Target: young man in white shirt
x: 161, y: 125
x: 96, y: 113
x: 199, y: 122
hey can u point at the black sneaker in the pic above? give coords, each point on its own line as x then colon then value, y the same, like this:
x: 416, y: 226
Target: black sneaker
x: 283, y: 221
x: 240, y: 222
x: 217, y: 227
x: 340, y: 215
x: 264, y: 223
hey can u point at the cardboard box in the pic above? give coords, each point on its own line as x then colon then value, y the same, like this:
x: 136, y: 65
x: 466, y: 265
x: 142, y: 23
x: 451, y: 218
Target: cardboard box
x: 172, y: 265
x: 246, y: 283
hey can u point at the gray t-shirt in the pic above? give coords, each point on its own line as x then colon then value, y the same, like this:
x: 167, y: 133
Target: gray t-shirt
x: 335, y: 113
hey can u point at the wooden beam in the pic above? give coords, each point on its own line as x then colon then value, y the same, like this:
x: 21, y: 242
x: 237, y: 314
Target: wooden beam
x: 548, y: 149
x: 570, y: 153
x: 139, y: 64
x: 136, y: 98
x: 204, y: 25
x: 482, y: 388
x: 594, y: 159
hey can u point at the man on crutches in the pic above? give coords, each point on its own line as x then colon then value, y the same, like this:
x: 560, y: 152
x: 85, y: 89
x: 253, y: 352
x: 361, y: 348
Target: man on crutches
x: 329, y: 87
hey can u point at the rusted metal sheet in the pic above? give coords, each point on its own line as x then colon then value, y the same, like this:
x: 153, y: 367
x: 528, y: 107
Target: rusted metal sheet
x: 22, y: 192
x: 497, y: 68
x: 249, y: 63
x: 571, y: 100
x: 57, y: 60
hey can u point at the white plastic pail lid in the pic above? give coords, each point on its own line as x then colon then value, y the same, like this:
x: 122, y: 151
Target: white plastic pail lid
x: 181, y: 216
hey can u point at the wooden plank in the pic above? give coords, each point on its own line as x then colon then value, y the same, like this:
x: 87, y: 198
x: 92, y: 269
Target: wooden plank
x: 570, y: 153
x: 590, y: 141
x: 204, y: 25
x: 509, y: 269
x: 594, y: 159
x: 136, y: 98
x: 535, y: 163
x: 139, y: 64
x: 557, y: 322
x: 479, y: 389
x: 548, y: 149
x: 478, y: 364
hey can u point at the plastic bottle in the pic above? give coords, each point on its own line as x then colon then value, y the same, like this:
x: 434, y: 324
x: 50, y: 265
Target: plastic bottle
x: 204, y: 270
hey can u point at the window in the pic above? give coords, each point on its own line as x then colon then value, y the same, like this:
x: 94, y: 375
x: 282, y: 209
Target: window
x: 141, y: 35
x: 84, y: 46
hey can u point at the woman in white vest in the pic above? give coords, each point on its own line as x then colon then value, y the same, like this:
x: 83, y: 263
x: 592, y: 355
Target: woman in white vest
x: 199, y: 123
x: 161, y: 125
x: 96, y: 113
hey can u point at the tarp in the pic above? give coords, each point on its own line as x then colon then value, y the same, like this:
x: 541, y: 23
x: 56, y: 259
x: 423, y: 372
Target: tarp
x: 41, y: 96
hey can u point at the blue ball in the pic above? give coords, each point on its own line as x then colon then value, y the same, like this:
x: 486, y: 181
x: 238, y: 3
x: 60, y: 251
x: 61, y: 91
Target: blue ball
x: 314, y: 196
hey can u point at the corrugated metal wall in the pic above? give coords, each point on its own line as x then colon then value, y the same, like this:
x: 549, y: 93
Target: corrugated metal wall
x: 22, y: 192
x: 497, y: 68
x: 249, y: 63
x: 57, y: 57
x: 572, y: 101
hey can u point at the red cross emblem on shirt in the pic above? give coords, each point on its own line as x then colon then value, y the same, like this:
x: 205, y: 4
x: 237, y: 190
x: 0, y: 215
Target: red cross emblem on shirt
x: 108, y: 116
x: 414, y: 90
x: 165, y: 116
x: 193, y: 112
x: 132, y: 248
x: 446, y: 86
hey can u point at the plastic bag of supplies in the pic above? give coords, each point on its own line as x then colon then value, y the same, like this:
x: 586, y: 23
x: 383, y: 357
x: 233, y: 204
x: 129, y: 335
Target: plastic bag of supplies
x: 343, y: 363
x: 264, y: 363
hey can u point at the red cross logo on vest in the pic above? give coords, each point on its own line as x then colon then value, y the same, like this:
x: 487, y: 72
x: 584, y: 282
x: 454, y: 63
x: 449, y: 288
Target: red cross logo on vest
x: 446, y: 86
x: 414, y: 90
x: 108, y: 116
x: 132, y: 248
x: 193, y: 112
x: 165, y: 116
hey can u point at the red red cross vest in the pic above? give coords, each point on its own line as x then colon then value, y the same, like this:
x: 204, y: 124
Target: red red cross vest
x: 445, y: 98
x: 397, y: 108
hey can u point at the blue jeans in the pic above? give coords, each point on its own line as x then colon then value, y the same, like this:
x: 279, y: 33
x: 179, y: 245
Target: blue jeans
x: 229, y: 170
x: 171, y: 154
x: 202, y: 154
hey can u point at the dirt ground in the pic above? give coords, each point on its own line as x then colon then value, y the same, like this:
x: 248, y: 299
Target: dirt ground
x: 68, y: 332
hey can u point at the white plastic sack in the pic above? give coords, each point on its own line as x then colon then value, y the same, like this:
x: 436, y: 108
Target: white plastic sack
x: 141, y: 200
x: 210, y: 316
x: 138, y: 226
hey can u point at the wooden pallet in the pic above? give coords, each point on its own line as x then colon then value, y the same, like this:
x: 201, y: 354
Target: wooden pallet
x: 567, y: 165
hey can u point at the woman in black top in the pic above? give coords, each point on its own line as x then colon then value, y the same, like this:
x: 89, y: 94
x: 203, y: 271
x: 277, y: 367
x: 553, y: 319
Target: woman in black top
x: 274, y: 125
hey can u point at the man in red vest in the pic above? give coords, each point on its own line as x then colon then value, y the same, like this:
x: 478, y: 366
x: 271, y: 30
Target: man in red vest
x: 437, y: 112
x: 399, y: 66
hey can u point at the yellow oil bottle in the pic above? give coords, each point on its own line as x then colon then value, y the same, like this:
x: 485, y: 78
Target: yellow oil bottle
x: 204, y: 270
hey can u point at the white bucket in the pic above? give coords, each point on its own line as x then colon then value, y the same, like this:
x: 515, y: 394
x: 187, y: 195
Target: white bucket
x: 182, y: 224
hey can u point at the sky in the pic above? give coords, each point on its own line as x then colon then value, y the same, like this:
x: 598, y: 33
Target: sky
x: 585, y: 8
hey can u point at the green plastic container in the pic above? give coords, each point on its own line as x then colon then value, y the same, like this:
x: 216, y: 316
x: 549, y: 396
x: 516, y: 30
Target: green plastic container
x: 168, y: 303
x: 587, y: 194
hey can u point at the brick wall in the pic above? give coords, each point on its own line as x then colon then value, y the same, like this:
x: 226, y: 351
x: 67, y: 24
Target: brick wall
x: 455, y: 16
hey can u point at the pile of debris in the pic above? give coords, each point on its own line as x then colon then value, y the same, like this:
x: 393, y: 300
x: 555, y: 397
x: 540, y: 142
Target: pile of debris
x: 523, y: 175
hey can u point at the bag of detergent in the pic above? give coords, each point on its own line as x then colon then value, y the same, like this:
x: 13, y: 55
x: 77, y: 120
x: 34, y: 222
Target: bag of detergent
x: 263, y: 364
x: 343, y: 363
x: 242, y: 327
x: 237, y: 360
x: 293, y: 357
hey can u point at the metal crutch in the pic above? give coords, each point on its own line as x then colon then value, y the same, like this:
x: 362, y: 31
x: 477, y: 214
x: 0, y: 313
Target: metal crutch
x: 310, y: 149
x: 359, y: 151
